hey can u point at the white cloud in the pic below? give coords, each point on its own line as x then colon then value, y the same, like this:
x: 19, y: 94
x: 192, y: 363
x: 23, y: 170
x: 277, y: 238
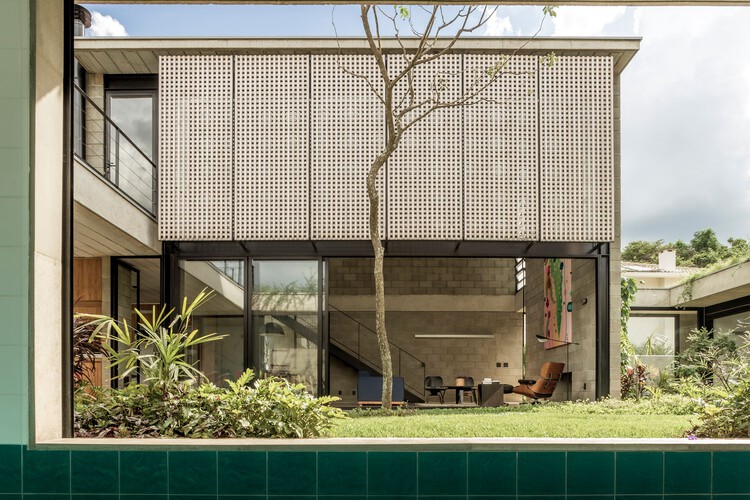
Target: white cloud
x: 585, y: 21
x: 102, y: 25
x: 685, y: 122
x: 498, y: 25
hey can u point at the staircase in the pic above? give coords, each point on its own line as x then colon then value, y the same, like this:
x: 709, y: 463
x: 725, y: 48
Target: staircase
x: 356, y: 344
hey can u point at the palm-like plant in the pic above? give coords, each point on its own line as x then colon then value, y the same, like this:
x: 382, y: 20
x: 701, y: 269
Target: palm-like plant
x: 158, y: 347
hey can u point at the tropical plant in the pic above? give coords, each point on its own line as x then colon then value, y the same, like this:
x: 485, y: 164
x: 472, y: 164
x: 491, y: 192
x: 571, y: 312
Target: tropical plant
x: 270, y: 407
x: 158, y: 348
x: 713, y: 357
x: 86, y: 347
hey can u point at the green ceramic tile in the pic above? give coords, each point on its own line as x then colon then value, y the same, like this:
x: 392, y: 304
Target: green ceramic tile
x: 491, y: 497
x: 11, y: 496
x: 639, y: 472
x: 11, y: 423
x: 442, y: 473
x: 639, y: 497
x: 11, y: 259
x: 590, y: 497
x: 10, y: 468
x: 11, y: 76
x: 143, y: 472
x: 192, y: 497
x: 591, y: 473
x: 83, y: 496
x: 492, y: 473
x: 292, y: 473
x: 11, y: 362
x: 94, y: 472
x: 530, y: 482
x: 15, y: 116
x: 391, y: 473
x: 10, y: 327
x: 687, y: 497
x: 442, y: 497
x: 13, y: 170
x: 242, y: 472
x: 46, y: 471
x: 733, y: 497
x: 10, y: 23
x: 342, y: 473
x: 47, y: 496
x: 241, y: 497
x: 687, y: 472
x: 192, y: 472
x: 11, y: 223
x: 291, y: 497
x: 144, y: 497
x: 731, y: 472
x: 394, y: 497
x: 342, y: 497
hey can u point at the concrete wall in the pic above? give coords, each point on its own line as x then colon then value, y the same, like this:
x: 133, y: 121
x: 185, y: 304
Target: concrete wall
x: 581, y: 359
x: 414, y: 276
x: 430, y: 296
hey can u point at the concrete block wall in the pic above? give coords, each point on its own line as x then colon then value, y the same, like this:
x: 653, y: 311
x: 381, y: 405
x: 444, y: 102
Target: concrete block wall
x: 581, y: 359
x: 414, y: 276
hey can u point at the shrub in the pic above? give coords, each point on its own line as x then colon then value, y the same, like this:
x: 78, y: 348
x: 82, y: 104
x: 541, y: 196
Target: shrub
x: 171, y: 403
x: 714, y: 371
x: 268, y: 408
x: 727, y: 417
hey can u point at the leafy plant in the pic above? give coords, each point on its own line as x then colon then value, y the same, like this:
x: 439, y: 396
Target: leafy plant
x: 158, y: 348
x: 712, y: 358
x: 86, y: 347
x: 628, y: 289
x: 270, y: 407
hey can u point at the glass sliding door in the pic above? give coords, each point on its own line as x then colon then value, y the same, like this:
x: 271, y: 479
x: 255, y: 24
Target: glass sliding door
x: 285, y: 304
x: 224, y: 313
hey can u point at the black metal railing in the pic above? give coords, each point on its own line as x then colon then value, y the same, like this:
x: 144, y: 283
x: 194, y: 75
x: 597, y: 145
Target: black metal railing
x: 107, y: 150
x: 361, y: 342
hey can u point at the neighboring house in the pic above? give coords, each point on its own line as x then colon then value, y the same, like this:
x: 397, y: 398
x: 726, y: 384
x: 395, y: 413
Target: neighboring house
x: 672, y: 301
x: 242, y: 164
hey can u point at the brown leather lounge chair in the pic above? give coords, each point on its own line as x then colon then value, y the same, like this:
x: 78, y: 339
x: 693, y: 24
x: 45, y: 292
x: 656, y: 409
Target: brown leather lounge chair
x: 544, y: 386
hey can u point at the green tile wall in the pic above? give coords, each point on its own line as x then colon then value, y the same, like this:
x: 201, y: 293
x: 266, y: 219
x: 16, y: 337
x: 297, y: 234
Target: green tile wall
x: 485, y: 475
x: 14, y: 221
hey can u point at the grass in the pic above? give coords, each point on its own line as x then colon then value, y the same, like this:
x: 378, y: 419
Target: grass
x: 568, y: 420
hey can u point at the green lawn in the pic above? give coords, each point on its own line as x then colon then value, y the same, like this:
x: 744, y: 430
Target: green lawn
x: 580, y: 420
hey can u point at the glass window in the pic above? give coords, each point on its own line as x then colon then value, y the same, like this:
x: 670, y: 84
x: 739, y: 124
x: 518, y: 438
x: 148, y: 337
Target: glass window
x: 223, y: 314
x: 134, y: 115
x: 737, y: 323
x: 285, y: 319
x: 653, y: 338
x: 130, y: 145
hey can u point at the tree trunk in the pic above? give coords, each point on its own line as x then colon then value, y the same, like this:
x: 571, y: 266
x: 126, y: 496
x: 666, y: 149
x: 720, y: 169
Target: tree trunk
x: 377, y: 247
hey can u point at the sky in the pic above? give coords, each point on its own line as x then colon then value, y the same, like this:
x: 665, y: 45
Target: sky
x: 685, y: 97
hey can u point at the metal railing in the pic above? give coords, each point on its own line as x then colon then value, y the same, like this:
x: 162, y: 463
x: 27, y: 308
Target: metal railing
x: 361, y: 342
x: 106, y: 149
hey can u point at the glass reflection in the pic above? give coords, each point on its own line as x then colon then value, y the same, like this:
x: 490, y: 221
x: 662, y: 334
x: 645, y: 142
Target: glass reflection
x: 285, y: 319
x: 222, y: 314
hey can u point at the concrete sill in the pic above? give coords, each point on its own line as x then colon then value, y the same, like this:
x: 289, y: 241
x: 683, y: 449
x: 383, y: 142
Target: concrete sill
x: 402, y: 444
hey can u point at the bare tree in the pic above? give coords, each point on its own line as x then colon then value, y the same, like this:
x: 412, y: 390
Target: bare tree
x: 405, y: 104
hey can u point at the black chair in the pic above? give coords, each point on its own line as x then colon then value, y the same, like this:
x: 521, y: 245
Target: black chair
x: 471, y: 389
x: 434, y: 385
